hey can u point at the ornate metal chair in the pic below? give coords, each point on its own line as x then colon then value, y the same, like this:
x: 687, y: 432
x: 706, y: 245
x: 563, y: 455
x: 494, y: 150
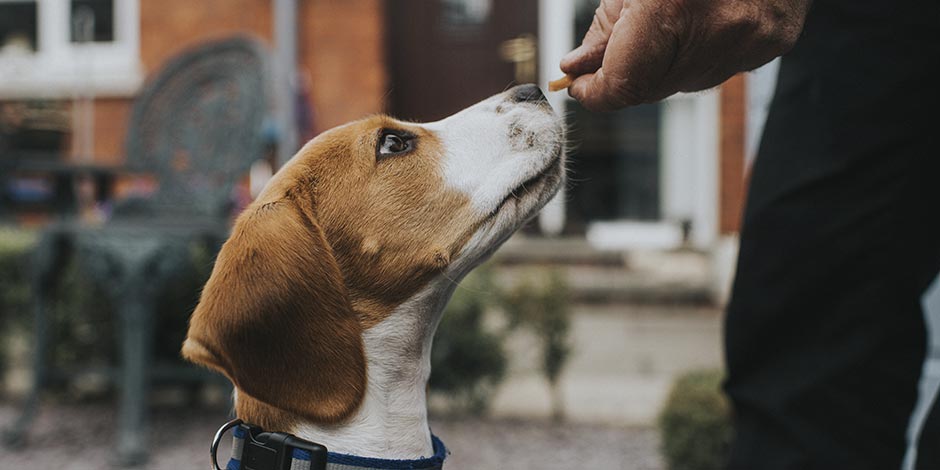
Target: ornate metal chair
x: 197, y: 127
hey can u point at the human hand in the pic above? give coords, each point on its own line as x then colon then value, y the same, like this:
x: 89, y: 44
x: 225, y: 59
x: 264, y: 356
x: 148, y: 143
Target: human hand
x: 641, y: 51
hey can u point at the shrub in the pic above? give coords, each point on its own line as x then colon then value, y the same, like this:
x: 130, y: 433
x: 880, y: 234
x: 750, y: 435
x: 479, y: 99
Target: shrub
x: 83, y: 321
x: 541, y: 304
x: 467, y: 361
x: 695, y: 424
x: 16, y: 247
x: 15, y: 250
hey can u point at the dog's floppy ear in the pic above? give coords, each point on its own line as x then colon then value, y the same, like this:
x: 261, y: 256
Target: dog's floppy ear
x: 275, y: 317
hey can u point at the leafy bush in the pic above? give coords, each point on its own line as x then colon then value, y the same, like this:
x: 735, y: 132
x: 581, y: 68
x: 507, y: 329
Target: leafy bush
x: 178, y: 300
x: 467, y: 361
x: 83, y: 321
x: 695, y: 424
x: 15, y: 250
x: 541, y: 303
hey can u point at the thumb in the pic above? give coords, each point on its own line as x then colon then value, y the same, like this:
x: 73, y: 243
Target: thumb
x: 594, y: 92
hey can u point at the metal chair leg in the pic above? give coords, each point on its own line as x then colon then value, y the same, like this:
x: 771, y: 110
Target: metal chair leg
x: 16, y: 434
x: 134, y: 268
x: 136, y: 339
x: 48, y: 256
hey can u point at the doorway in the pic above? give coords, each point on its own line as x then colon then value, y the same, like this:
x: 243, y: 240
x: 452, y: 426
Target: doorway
x: 444, y: 55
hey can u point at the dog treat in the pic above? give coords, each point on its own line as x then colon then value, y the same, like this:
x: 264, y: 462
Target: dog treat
x: 560, y: 84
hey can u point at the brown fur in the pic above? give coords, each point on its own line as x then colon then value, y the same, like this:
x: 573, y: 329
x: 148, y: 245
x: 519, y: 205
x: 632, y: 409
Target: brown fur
x: 334, y: 243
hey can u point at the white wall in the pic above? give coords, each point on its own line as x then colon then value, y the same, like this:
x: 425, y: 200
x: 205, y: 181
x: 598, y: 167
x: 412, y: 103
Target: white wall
x: 689, y: 139
x: 556, y: 38
x: 760, y: 90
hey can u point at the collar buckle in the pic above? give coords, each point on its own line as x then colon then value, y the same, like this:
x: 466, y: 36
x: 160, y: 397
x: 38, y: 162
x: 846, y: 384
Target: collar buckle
x: 272, y: 450
x: 276, y: 450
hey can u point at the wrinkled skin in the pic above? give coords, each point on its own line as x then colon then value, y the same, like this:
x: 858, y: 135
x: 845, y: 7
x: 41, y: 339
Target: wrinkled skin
x: 641, y: 51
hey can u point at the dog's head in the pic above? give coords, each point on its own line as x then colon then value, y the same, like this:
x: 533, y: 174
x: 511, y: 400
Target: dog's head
x: 358, y: 222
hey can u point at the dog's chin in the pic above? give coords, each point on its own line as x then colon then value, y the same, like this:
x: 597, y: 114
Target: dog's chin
x: 525, y: 201
x: 517, y: 208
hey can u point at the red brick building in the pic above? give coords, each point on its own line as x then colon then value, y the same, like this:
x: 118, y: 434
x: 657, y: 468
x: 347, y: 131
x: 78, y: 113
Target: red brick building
x: 661, y: 175
x: 340, y: 53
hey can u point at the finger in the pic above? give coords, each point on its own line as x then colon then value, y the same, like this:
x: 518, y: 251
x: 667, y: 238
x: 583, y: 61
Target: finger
x: 639, y: 54
x: 589, y: 55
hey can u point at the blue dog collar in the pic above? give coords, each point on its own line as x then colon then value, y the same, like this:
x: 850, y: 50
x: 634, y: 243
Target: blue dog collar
x: 269, y: 451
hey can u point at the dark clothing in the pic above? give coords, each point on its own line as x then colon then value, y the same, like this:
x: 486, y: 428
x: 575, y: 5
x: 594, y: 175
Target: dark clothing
x: 825, y: 337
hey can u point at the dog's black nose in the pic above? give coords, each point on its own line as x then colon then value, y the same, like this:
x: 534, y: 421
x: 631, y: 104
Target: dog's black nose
x: 529, y: 93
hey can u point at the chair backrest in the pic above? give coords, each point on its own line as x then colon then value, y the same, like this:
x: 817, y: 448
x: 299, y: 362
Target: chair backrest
x: 198, y: 125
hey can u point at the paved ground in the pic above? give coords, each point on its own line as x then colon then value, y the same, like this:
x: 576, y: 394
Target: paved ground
x: 624, y: 360
x: 79, y: 438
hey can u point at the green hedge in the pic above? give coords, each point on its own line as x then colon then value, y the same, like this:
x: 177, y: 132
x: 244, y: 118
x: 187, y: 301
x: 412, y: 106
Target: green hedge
x: 84, y: 320
x: 695, y: 424
x: 468, y: 362
x: 16, y: 248
x: 541, y: 303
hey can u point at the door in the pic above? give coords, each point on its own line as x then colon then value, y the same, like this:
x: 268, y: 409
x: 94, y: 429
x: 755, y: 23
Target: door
x: 444, y: 55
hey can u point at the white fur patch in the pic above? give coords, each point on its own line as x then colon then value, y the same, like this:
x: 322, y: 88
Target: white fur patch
x: 494, y: 146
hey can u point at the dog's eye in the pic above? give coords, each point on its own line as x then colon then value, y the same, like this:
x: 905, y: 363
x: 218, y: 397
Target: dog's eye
x: 393, y: 143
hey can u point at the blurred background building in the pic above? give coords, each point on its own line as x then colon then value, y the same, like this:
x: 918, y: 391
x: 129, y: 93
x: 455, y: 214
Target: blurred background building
x: 661, y: 176
x: 644, y: 237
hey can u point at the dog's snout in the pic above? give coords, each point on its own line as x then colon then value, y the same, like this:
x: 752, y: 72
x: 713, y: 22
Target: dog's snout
x: 529, y: 93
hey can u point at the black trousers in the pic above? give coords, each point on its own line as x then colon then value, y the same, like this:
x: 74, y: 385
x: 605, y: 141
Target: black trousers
x: 825, y: 337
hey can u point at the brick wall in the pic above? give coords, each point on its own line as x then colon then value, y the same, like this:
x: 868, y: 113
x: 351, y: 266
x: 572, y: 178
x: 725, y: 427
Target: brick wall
x: 169, y: 26
x: 110, y: 128
x: 342, y: 55
x: 731, y: 154
x: 340, y: 45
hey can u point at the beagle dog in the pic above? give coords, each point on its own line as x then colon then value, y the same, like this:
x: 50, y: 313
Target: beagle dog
x: 323, y: 303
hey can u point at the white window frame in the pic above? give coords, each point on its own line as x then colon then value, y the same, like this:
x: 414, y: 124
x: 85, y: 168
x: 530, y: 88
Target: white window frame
x: 60, y: 68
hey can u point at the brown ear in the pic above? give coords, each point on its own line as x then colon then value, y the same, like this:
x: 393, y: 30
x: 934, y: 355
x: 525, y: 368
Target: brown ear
x: 275, y: 318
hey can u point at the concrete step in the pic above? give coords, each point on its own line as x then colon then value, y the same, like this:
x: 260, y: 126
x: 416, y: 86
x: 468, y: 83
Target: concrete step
x: 529, y: 250
x: 623, y: 362
x: 669, y: 278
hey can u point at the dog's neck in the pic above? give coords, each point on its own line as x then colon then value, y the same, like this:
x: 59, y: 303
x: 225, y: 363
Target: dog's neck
x: 392, y: 421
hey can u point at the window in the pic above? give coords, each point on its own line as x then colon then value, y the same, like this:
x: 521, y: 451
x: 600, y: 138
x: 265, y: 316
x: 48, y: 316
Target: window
x: 463, y: 17
x: 92, y: 20
x: 61, y: 48
x: 18, y: 25
x: 464, y: 12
